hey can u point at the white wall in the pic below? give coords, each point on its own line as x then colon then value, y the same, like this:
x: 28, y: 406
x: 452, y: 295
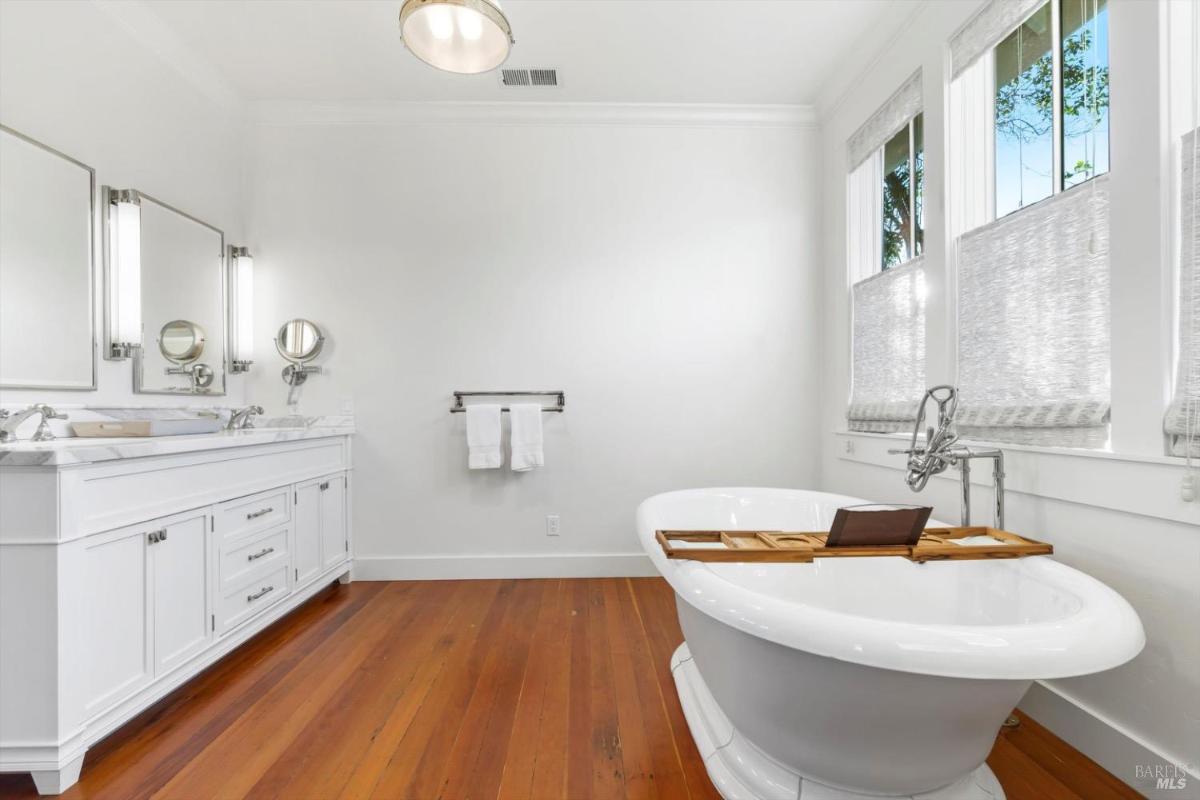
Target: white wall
x: 82, y: 78
x: 1119, y: 518
x: 662, y: 273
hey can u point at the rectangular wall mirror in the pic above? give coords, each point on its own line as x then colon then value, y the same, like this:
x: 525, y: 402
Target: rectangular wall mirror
x: 183, y: 303
x: 47, y: 234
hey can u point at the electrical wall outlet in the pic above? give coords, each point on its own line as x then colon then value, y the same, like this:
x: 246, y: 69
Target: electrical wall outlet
x: 552, y: 524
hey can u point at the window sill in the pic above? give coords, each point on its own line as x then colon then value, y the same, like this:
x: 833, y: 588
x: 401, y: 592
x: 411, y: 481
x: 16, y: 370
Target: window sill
x: 1074, y: 452
x: 1145, y: 485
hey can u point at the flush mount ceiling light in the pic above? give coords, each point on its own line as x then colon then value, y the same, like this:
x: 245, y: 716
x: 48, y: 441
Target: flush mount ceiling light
x: 463, y: 36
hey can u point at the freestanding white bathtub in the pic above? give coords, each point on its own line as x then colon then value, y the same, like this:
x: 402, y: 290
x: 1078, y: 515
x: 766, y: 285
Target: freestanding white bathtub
x: 865, y: 676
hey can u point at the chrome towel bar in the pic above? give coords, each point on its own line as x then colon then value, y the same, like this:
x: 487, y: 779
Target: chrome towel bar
x: 459, y: 407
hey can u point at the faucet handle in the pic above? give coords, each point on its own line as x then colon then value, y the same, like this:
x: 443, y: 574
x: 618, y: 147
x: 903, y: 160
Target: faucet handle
x: 49, y: 413
x: 43, y: 432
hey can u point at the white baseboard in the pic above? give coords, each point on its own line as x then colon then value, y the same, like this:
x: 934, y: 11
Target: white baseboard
x: 1109, y: 745
x: 582, y: 565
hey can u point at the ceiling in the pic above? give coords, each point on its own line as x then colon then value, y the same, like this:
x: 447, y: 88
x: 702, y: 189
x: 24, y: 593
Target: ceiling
x: 606, y: 51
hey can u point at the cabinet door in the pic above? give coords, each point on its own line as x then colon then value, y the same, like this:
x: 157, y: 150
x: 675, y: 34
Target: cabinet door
x: 307, y: 524
x: 117, y: 645
x: 334, y: 547
x: 179, y: 567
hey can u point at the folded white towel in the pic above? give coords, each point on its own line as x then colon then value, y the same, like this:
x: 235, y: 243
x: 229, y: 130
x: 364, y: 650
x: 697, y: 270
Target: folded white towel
x: 526, y: 419
x: 483, y: 436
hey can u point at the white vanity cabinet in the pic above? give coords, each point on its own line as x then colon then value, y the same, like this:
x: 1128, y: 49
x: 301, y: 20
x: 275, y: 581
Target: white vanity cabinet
x: 123, y: 576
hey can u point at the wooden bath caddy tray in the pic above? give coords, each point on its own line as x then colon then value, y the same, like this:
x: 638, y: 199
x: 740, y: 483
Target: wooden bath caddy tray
x: 935, y: 544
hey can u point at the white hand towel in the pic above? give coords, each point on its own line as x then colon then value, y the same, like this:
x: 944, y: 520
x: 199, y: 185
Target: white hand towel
x: 483, y: 436
x: 526, y: 419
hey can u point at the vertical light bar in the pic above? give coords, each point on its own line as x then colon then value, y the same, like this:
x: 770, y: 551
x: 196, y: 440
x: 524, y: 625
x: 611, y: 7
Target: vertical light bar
x: 124, y: 232
x: 241, y: 267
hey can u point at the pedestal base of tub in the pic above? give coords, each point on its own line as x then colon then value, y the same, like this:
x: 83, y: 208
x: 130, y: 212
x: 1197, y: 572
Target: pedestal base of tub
x: 740, y: 771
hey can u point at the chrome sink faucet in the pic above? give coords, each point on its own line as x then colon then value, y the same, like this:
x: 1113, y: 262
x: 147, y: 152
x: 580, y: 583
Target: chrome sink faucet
x: 243, y: 418
x: 9, y: 423
x: 942, y: 451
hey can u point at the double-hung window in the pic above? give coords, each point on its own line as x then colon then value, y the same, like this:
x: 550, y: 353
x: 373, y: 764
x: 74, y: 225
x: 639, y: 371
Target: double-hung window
x: 1029, y: 210
x: 885, y: 223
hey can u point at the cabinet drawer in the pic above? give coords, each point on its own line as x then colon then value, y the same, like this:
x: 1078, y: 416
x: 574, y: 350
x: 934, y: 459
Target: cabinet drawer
x: 247, y: 515
x: 252, y: 596
x: 247, y: 556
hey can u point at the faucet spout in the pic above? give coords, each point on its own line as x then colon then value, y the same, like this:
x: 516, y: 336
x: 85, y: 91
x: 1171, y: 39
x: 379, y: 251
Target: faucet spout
x: 9, y: 423
x: 941, y: 450
x: 243, y: 418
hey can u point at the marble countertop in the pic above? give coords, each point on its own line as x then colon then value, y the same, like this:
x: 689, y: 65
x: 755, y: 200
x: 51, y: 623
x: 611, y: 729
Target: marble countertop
x: 75, y: 450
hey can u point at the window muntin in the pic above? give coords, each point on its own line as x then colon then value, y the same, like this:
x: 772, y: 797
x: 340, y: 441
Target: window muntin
x: 1051, y: 103
x: 902, y: 198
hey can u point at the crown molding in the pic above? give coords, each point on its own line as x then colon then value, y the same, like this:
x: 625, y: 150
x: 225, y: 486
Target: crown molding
x: 668, y: 115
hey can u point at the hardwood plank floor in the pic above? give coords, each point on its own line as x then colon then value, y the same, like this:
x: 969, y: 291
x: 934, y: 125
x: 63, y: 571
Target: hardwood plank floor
x: 516, y: 690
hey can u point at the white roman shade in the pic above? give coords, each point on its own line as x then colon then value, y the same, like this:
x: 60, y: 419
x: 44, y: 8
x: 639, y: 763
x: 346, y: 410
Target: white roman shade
x: 1034, y: 342
x: 1183, y: 417
x: 983, y: 31
x: 893, y: 115
x: 888, y: 373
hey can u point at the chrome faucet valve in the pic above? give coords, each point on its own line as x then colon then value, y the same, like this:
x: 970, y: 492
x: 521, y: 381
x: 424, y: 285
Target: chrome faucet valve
x: 243, y: 418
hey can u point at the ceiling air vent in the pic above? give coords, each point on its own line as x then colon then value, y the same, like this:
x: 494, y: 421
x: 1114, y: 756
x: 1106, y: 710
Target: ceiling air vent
x: 529, y: 77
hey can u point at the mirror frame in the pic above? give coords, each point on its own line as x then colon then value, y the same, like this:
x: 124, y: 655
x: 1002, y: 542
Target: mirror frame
x: 316, y: 349
x: 199, y: 339
x: 222, y: 268
x: 91, y: 269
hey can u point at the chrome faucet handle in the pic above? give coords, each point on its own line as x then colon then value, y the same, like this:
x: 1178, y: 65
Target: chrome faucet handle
x: 43, y: 432
x: 251, y: 413
x: 243, y: 418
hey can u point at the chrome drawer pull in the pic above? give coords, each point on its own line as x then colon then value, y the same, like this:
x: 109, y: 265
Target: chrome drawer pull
x: 260, y: 554
x: 257, y: 514
x: 157, y: 536
x: 250, y: 598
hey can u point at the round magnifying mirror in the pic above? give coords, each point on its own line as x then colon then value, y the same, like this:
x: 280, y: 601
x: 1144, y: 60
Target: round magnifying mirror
x: 299, y: 341
x: 181, y: 341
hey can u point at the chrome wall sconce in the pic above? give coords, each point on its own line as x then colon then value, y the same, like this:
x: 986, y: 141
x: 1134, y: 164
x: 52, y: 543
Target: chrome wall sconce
x: 241, y: 309
x: 122, y: 232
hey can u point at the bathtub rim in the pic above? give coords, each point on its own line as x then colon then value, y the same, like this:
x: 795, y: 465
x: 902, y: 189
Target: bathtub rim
x: 1104, y: 633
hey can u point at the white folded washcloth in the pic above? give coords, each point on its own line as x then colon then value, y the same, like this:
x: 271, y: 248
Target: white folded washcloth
x: 526, y: 419
x: 483, y: 436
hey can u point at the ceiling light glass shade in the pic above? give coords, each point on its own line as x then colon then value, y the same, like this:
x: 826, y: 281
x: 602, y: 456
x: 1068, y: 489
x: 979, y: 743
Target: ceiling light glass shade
x: 463, y: 36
